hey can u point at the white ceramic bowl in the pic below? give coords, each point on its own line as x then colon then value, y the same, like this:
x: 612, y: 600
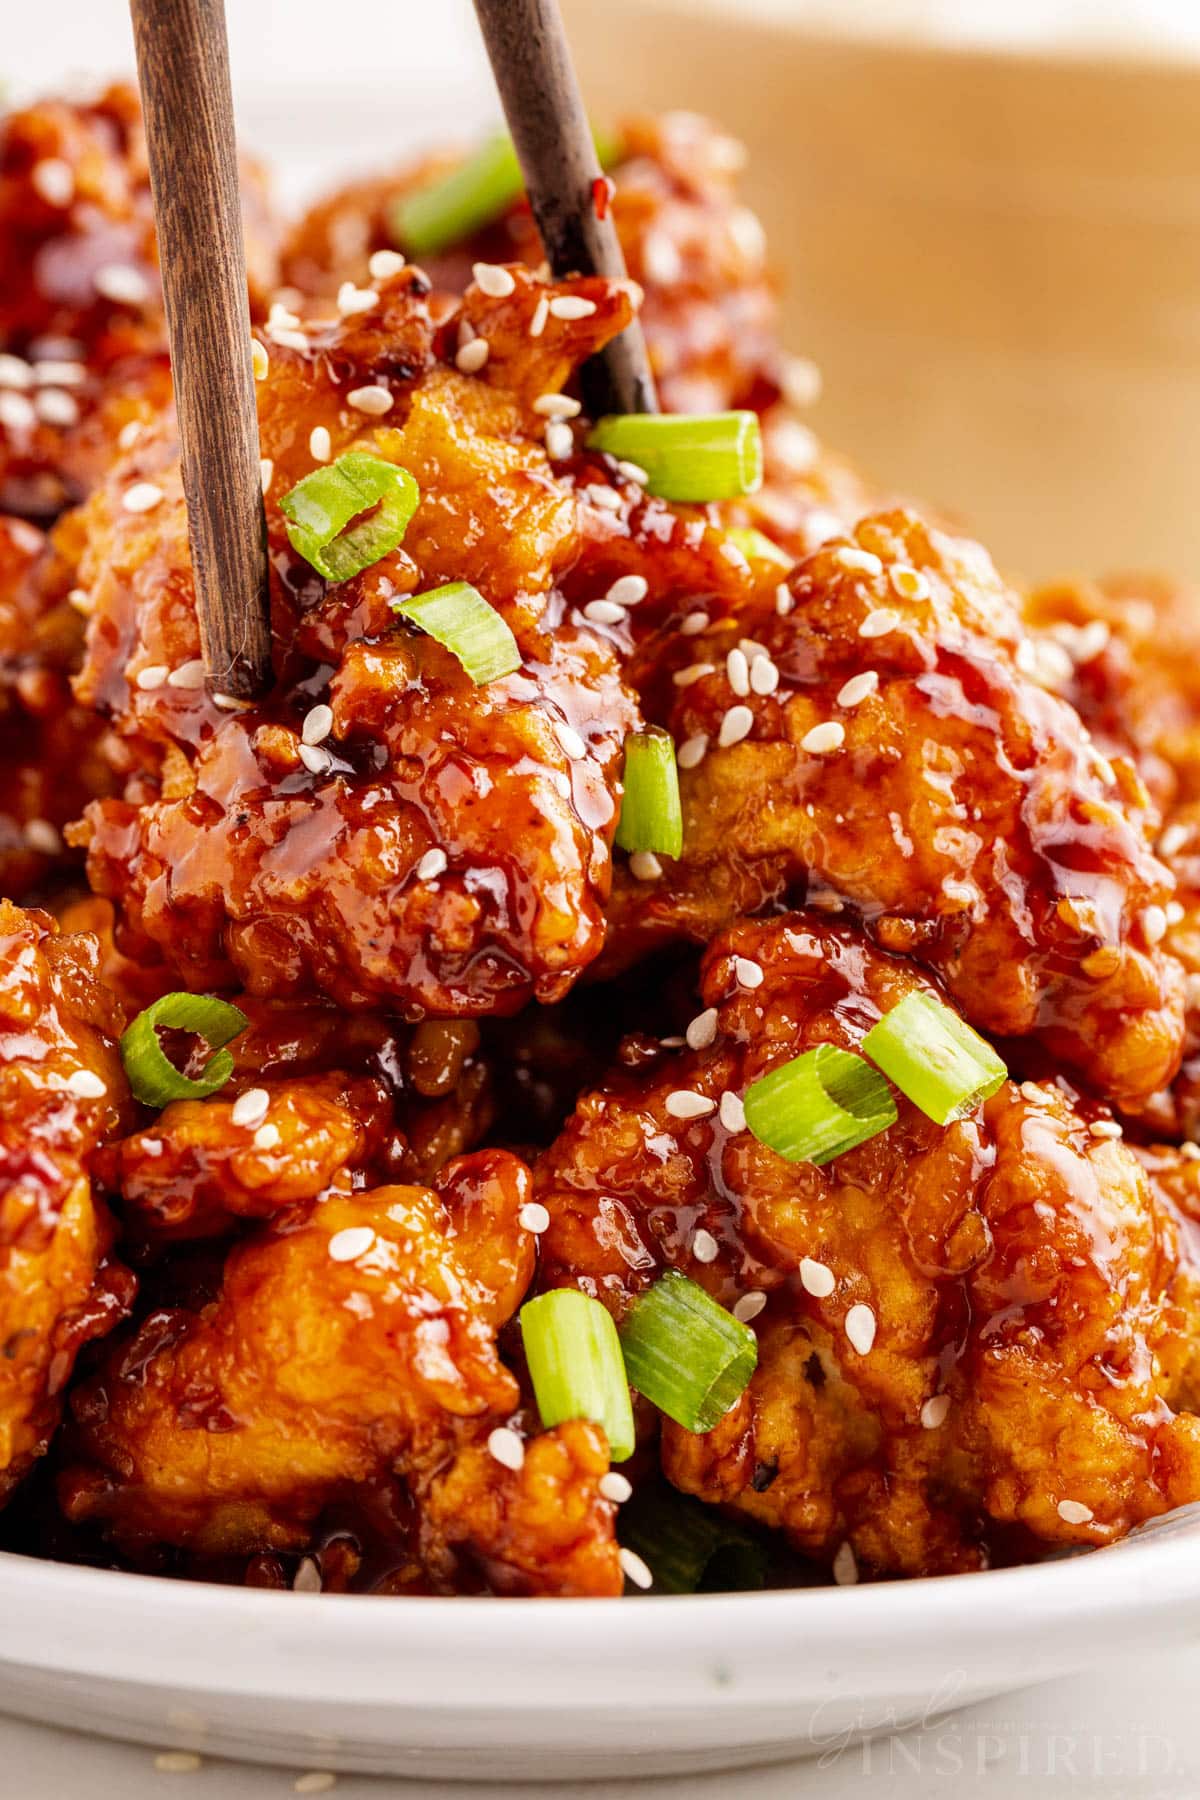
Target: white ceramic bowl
x: 526, y: 1690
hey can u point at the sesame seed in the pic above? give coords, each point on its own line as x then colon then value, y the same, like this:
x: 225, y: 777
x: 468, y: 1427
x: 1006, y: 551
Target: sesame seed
x: 267, y: 1137
x: 250, y: 1109
x: 315, y: 760
x: 53, y: 372
x: 634, y: 1569
x: 266, y: 473
x: 858, y: 687
x: 860, y: 1328
x: 151, y: 677
x: 1154, y: 924
x: 506, y: 1446
x: 1105, y: 1128
x: 737, y: 672
x: 319, y: 1781
x: 703, y: 1030
x: 318, y: 723
x: 82, y: 601
x: 606, y: 498
x: 43, y: 837
x: 572, y: 744
x: 604, y: 612
x: 692, y: 751
x: 16, y: 412
x: 684, y: 1103
x: 645, y: 866
x: 571, y: 306
x: 285, y: 336
x: 537, y: 322
x: 351, y: 299
x: 908, y: 582
x: 694, y: 672
x: 879, y: 622
x: 863, y: 562
x: 628, y: 590
x: 54, y: 180
x: 432, y: 864
x: 351, y: 1243
x: 749, y: 1306
x: 705, y: 1247
x: 188, y: 674
x: 122, y: 284
x: 694, y: 624
x: 471, y: 358
x: 492, y: 280
x: 783, y: 600
x: 556, y: 406
x: 615, y: 1487
x: 142, y: 497
x: 229, y: 703
x: 829, y: 736
x: 15, y: 372
x: 320, y: 445
x: 55, y: 407
x: 764, y: 676
x: 737, y: 724
x: 845, y: 1566
x: 534, y: 1217
x: 632, y: 472
x: 934, y: 1411
x: 177, y: 1762
x: 1074, y: 1512
x: 283, y: 315
x: 747, y: 973
x: 383, y: 263
x: 84, y: 1084
x: 816, y: 1278
x: 800, y: 381
x: 559, y: 440
x: 373, y: 400
x: 732, y: 1111
x: 260, y: 361
x: 747, y: 232
x: 307, y: 1579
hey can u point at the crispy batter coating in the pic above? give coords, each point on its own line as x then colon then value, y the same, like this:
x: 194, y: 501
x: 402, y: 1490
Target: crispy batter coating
x: 247, y: 857
x: 697, y: 252
x: 963, y: 1327
x: 354, y: 1338
x: 58, y: 1287
x: 878, y: 746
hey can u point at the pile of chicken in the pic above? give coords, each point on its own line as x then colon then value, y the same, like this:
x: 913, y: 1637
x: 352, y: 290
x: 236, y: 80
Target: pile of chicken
x: 271, y: 1334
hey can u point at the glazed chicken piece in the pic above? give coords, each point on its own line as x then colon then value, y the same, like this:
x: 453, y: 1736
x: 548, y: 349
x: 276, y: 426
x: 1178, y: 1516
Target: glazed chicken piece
x: 868, y: 736
x: 960, y: 1329
x: 433, y: 845
x: 354, y: 1341
x: 62, y: 1092
x: 83, y: 360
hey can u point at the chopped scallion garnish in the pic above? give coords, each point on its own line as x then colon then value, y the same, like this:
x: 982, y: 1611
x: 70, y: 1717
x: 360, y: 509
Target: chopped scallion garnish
x: 935, y: 1058
x: 819, y: 1105
x: 690, y: 1548
x: 574, y: 1358
x: 685, y: 1353
x: 651, y: 816
x: 715, y: 456
x: 459, y: 617
x: 319, y: 510
x: 755, y: 546
x: 153, y: 1077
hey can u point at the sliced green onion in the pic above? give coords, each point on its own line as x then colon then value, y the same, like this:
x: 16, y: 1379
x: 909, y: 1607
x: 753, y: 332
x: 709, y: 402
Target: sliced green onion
x: 935, y: 1058
x: 574, y: 1358
x: 651, y: 816
x: 459, y: 618
x: 153, y: 1077
x: 819, y: 1105
x: 687, y: 1354
x: 690, y: 1548
x: 431, y: 219
x: 320, y: 507
x: 755, y: 546
x: 713, y: 456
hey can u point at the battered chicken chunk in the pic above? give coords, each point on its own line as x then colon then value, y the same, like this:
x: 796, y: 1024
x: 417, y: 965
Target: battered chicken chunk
x: 62, y: 1091
x: 353, y: 1340
x: 434, y: 845
x: 960, y: 1328
x: 869, y: 737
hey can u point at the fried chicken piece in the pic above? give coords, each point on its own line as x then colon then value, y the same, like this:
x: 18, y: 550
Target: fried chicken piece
x: 445, y: 848
x: 62, y: 1092
x: 870, y: 739
x: 355, y: 1339
x: 698, y: 253
x: 962, y: 1328
x: 81, y: 322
